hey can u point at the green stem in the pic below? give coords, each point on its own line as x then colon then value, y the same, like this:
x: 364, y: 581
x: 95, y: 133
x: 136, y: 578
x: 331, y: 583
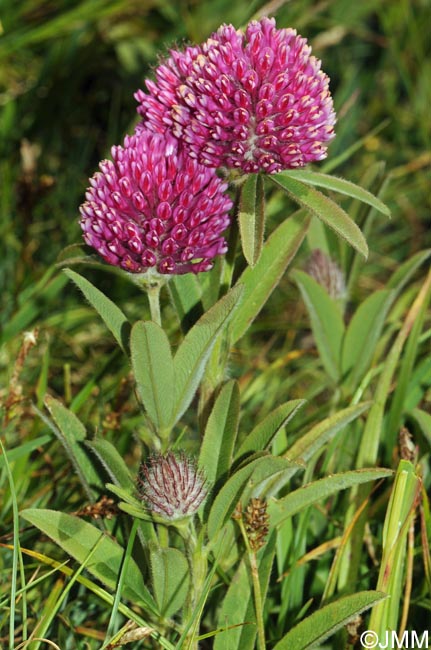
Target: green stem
x: 153, y: 293
x: 258, y: 604
x: 197, y: 559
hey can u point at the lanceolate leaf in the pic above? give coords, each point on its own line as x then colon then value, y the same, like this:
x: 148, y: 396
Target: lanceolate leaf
x: 193, y: 353
x: 112, y: 461
x: 281, y: 509
x: 363, y: 333
x: 227, y: 498
x: 323, y: 623
x: 314, y: 440
x: 326, y: 322
x: 71, y: 433
x: 260, y: 281
x: 263, y: 433
x: 215, y: 457
x: 170, y: 577
x: 77, y: 538
x: 324, y: 208
x: 337, y: 185
x: 252, y: 217
x: 154, y: 371
x: 112, y: 315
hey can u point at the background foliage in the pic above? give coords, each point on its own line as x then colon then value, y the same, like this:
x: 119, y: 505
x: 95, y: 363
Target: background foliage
x: 68, y: 71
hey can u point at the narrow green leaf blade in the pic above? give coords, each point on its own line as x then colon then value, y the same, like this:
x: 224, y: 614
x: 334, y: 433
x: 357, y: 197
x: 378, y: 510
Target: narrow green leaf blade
x: 323, y: 623
x: 170, y: 577
x: 363, y: 334
x: 263, y: 433
x: 193, y: 353
x: 112, y: 315
x: 324, y: 431
x: 154, y: 371
x: 112, y: 461
x: 252, y: 217
x: 71, y: 433
x: 215, y: 457
x: 77, y: 538
x: 324, y: 208
x: 229, y: 495
x: 260, y: 281
x: 281, y: 509
x: 326, y: 322
x: 339, y: 185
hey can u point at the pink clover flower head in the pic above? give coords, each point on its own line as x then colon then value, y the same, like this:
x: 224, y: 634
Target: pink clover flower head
x: 154, y: 207
x: 253, y: 101
x: 172, y: 486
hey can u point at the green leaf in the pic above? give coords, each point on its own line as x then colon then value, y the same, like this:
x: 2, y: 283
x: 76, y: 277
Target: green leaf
x: 193, y: 353
x: 25, y: 449
x: 260, y: 281
x: 314, y: 440
x: 326, y: 322
x: 154, y: 371
x: 422, y: 418
x: 227, y: 498
x: 324, y: 431
x: 186, y: 295
x: 215, y: 456
x: 263, y: 433
x: 71, y: 433
x: 324, y: 208
x: 399, y: 517
x: 281, y: 509
x: 323, y: 623
x: 77, y: 538
x: 363, y: 334
x: 405, y: 272
x: 112, y: 315
x: 337, y: 185
x: 170, y: 577
x: 252, y: 217
x: 112, y: 461
x: 238, y: 609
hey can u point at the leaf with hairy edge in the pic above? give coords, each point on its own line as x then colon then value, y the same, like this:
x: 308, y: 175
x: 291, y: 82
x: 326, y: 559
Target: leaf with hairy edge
x: 261, y: 280
x: 313, y: 441
x: 252, y: 217
x: 339, y: 185
x: 193, y: 353
x: 237, y: 613
x: 229, y: 495
x: 305, y: 496
x: 326, y: 322
x: 323, y: 623
x: 77, y: 538
x: 363, y: 333
x: 324, y: 208
x: 170, y: 577
x: 112, y: 315
x: 263, y: 433
x: 71, y: 433
x: 154, y: 371
x: 112, y: 461
x: 215, y: 456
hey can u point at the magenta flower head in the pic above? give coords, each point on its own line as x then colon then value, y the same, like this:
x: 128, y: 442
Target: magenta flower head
x: 253, y: 101
x: 172, y: 486
x: 153, y: 207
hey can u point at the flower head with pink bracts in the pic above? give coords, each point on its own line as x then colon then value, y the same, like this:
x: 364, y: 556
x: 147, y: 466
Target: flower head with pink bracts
x: 253, y: 101
x: 154, y: 207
